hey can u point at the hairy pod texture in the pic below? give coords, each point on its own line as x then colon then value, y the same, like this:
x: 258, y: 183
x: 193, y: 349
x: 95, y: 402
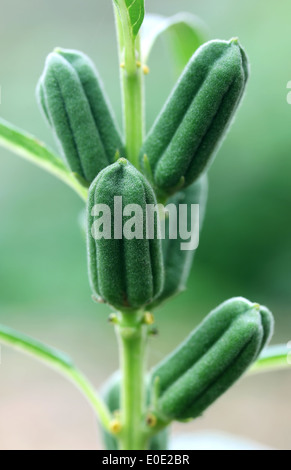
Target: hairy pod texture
x: 72, y: 99
x: 127, y: 273
x: 111, y: 395
x: 178, y: 262
x: 214, y: 356
x: 196, y: 115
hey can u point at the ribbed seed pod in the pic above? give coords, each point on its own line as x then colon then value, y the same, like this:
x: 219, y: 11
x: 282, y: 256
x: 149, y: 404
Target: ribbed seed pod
x: 214, y: 356
x: 177, y: 262
x: 196, y: 116
x: 73, y: 101
x: 111, y: 395
x: 126, y: 273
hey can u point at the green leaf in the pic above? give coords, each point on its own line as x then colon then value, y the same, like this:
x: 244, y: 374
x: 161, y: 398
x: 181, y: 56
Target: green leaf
x: 59, y: 361
x: 184, y: 33
x: 31, y: 346
x: 30, y: 148
x: 273, y: 358
x: 135, y: 12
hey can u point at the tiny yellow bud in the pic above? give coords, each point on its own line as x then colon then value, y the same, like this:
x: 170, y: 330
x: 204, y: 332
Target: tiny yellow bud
x: 138, y: 63
x: 113, y: 318
x: 122, y: 65
x: 115, y: 426
x: 146, y: 69
x: 148, y: 318
x: 151, y: 420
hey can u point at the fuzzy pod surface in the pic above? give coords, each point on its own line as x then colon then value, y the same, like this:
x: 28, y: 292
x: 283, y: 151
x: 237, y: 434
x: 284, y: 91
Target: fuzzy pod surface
x: 178, y: 262
x: 111, y: 394
x: 214, y: 356
x: 125, y: 272
x: 73, y: 102
x: 196, y: 116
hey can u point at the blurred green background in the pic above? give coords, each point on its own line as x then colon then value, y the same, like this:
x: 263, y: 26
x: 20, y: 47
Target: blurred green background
x: 245, y: 247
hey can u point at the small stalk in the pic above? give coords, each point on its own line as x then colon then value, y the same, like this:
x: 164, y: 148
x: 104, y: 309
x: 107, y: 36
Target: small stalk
x: 132, y: 86
x: 132, y: 336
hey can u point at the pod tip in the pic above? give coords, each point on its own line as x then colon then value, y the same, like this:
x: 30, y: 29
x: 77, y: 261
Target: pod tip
x: 234, y: 41
x: 122, y: 161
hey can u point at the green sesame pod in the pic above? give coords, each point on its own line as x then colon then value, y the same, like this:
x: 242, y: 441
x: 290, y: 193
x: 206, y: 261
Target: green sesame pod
x: 268, y: 326
x: 98, y: 101
x: 196, y: 116
x: 40, y: 94
x: 177, y: 263
x: 72, y: 101
x: 214, y: 356
x: 111, y: 395
x: 125, y: 273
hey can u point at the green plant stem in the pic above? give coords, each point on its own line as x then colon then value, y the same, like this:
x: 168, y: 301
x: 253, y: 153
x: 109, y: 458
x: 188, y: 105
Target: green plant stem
x: 132, y: 336
x: 132, y: 86
x: 92, y: 396
x: 131, y: 332
x: 59, y: 362
x: 276, y: 357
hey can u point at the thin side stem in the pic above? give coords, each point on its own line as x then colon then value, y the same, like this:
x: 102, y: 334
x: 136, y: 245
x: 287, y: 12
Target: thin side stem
x: 132, y: 337
x: 89, y: 392
x: 59, y: 362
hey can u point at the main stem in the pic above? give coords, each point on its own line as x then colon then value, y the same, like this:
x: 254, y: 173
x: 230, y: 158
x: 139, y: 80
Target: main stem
x: 131, y: 331
x: 132, y: 86
x: 132, y: 336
